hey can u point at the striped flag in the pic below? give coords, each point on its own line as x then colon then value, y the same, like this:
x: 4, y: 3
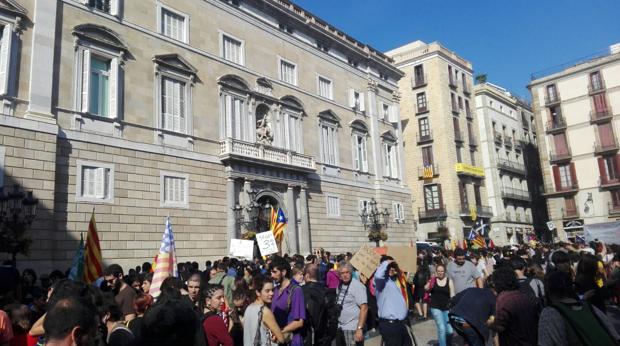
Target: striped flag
x: 479, y: 241
x: 280, y: 224
x: 93, y: 264
x: 77, y: 268
x: 427, y: 172
x: 166, y: 264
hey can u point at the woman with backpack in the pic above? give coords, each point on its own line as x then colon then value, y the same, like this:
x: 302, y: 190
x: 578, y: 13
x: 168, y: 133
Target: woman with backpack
x: 440, y: 290
x: 213, y: 324
x: 259, y: 322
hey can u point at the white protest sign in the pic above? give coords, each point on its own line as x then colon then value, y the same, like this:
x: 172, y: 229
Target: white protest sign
x: 266, y: 243
x: 241, y: 248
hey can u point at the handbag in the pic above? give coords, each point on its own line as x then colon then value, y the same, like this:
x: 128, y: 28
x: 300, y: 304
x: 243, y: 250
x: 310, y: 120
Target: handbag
x: 427, y: 294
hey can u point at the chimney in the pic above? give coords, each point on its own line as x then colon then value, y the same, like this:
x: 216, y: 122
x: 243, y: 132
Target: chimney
x: 614, y: 48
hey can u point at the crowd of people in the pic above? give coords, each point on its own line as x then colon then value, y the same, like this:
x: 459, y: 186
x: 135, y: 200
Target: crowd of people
x: 553, y: 294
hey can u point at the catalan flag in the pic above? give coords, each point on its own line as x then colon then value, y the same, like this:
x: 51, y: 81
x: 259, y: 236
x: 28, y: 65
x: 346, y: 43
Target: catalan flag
x: 166, y: 261
x: 278, y: 226
x: 93, y: 264
x: 479, y: 241
x: 427, y: 172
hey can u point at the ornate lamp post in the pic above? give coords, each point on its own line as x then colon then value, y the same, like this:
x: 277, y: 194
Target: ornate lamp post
x: 250, y: 221
x: 374, y: 221
x: 17, y: 211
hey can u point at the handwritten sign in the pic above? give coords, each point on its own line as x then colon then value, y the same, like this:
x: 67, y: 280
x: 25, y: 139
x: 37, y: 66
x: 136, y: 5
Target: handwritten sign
x: 266, y: 243
x: 405, y: 256
x: 241, y: 248
x: 366, y: 260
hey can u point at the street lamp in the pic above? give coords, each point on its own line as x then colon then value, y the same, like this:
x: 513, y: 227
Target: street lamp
x: 17, y: 212
x: 374, y: 221
x: 248, y: 221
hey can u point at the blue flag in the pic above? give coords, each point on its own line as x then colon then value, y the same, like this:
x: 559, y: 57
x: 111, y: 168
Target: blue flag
x: 77, y: 268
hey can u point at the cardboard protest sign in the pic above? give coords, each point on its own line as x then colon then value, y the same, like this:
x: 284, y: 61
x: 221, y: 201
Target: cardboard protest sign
x: 366, y: 260
x: 266, y: 243
x: 405, y: 256
x: 241, y: 248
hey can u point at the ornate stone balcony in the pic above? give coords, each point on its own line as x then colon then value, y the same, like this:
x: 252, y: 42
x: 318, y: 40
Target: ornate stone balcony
x: 234, y: 149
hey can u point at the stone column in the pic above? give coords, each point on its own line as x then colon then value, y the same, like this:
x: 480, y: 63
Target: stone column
x: 231, y: 226
x: 304, y: 233
x: 399, y: 134
x: 41, y: 76
x: 291, y: 229
x: 371, y: 111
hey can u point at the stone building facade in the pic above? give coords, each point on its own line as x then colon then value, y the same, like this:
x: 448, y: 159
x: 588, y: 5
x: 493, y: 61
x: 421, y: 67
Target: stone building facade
x: 196, y: 110
x: 576, y: 109
x: 505, y: 130
x: 441, y: 141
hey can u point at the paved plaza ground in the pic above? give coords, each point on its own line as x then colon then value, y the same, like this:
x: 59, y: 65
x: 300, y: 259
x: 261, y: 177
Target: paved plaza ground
x: 424, y: 331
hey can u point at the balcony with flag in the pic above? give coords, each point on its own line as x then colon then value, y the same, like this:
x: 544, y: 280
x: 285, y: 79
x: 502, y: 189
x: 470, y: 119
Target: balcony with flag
x: 428, y: 171
x: 237, y: 150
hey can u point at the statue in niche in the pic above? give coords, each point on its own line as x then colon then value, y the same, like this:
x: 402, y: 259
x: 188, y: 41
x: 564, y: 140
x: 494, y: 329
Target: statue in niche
x: 263, y: 131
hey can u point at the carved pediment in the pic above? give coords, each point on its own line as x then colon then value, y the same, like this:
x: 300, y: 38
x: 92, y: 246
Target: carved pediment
x: 12, y: 7
x: 292, y: 102
x: 234, y: 82
x: 101, y: 35
x: 329, y: 115
x: 359, y: 126
x: 175, y: 62
x: 388, y: 136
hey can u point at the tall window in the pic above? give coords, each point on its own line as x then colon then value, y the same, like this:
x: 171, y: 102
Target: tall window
x: 238, y: 123
x: 293, y: 135
x: 232, y: 49
x: 463, y: 194
x: 173, y: 25
x: 565, y: 176
x: 460, y: 102
x: 472, y: 155
x: 329, y: 144
x: 467, y: 109
x: 385, y: 111
x: 552, y: 93
x: 398, y: 211
x: 424, y: 126
x: 427, y: 156
x: 615, y: 198
x: 325, y: 88
x: 432, y: 200
x: 390, y: 163
x: 610, y: 167
x: 333, y: 206
x: 288, y: 72
x: 356, y: 100
x: 173, y: 111
x: 99, y: 86
x: 421, y: 101
x: 360, y: 155
x: 418, y: 73
x: 477, y: 195
x: 596, y: 82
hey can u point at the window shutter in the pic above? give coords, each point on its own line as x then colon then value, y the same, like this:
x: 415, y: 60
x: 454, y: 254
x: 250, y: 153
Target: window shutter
x: 380, y: 110
x: 364, y: 155
x: 395, y: 211
x: 114, y: 7
x: 386, y: 160
x: 5, y: 58
x: 394, y: 162
x: 114, y: 88
x: 85, y: 79
x: 556, y: 177
x: 184, y: 92
x: 351, y: 98
x: 617, y: 166
x: 99, y: 182
x: 573, y: 174
x: 356, y: 156
x: 362, y: 102
x: 601, y: 170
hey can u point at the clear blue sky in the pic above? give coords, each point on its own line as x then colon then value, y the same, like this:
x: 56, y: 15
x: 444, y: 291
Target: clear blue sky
x: 505, y: 39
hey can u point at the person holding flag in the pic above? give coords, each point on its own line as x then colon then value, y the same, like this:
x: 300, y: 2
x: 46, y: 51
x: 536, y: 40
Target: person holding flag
x: 166, y: 264
x: 93, y: 264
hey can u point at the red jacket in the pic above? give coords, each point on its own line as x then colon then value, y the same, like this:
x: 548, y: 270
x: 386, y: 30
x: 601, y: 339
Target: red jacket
x: 216, y: 331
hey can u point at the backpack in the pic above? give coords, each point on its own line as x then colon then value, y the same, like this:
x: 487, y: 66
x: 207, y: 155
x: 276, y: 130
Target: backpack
x: 585, y: 324
x: 315, y: 323
x: 535, y: 298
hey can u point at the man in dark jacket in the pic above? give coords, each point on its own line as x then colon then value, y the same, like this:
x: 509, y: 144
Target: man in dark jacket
x: 470, y: 312
x: 315, y: 328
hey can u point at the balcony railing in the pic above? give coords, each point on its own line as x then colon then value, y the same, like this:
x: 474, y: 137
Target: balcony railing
x: 570, y: 213
x: 613, y: 209
x: 555, y: 157
x: 595, y: 88
x: 515, y: 194
x: 600, y: 115
x: 469, y: 170
x: 508, y: 141
x: 428, y: 172
x: 607, y: 182
x: 498, y: 137
x: 458, y: 136
x: 236, y: 149
x: 571, y: 187
x: 604, y: 148
x: 422, y: 109
x: 424, y: 138
x: 511, y: 166
x: 452, y: 82
x: 469, y: 114
x: 556, y: 125
x: 432, y: 214
x: 418, y: 81
x: 481, y: 210
x: 550, y: 100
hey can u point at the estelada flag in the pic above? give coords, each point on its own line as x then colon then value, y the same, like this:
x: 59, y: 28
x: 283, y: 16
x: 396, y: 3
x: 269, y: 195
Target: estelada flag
x: 280, y: 224
x: 93, y: 264
x: 166, y: 260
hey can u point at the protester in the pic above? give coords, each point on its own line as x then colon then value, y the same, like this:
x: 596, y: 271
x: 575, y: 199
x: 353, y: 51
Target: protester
x: 315, y: 325
x: 441, y: 290
x: 142, y: 303
x: 124, y: 295
x: 420, y: 296
x: 118, y: 334
x: 463, y: 273
x: 333, y: 280
x: 260, y: 325
x: 193, y: 289
x: 70, y: 321
x: 288, y: 304
x: 470, y: 310
x: 351, y: 295
x: 214, y: 327
x: 220, y: 277
x: 392, y: 303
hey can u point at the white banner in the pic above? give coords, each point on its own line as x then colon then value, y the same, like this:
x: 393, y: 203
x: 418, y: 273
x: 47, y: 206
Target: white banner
x: 607, y: 232
x: 266, y: 243
x: 241, y: 248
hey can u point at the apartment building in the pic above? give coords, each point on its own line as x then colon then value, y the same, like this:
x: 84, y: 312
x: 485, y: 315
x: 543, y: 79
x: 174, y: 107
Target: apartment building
x: 441, y: 141
x: 508, y: 146
x: 207, y: 111
x: 575, y: 108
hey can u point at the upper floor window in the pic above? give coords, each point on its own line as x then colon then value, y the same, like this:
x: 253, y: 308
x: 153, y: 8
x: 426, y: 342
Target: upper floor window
x: 552, y: 93
x: 7, y: 64
x: 421, y: 102
x: 235, y: 119
x: 288, y: 72
x: 359, y: 133
x: 356, y: 100
x: 432, y: 197
x: 398, y: 211
x: 289, y: 129
x: 390, y: 156
x: 325, y: 88
x: 418, y: 75
x: 232, y: 49
x: 173, y: 24
x: 107, y: 6
x: 385, y: 111
x: 99, y: 57
x: 596, y: 82
x: 328, y: 127
x: 174, y: 93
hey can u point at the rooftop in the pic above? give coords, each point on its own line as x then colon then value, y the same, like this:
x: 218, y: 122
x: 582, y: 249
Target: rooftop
x: 416, y: 49
x: 498, y: 90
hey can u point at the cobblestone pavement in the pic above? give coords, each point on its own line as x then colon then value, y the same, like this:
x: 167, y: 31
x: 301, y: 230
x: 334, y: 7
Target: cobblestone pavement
x: 424, y: 331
